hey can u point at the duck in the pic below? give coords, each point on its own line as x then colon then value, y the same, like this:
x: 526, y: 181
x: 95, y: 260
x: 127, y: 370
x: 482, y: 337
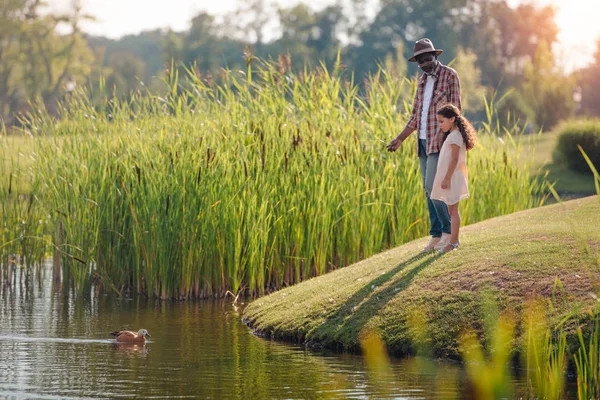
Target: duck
x: 131, y: 337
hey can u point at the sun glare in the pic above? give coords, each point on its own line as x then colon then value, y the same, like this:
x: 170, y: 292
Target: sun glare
x: 579, y: 30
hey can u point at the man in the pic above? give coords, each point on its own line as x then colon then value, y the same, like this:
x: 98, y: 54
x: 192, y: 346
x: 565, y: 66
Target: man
x: 437, y: 86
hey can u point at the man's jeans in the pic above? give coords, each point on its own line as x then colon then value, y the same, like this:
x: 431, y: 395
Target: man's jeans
x: 438, y: 210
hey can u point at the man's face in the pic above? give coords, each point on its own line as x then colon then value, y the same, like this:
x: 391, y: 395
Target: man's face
x: 427, y: 62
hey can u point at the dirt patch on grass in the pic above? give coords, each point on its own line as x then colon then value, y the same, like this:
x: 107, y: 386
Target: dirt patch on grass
x: 567, y: 240
x: 513, y: 283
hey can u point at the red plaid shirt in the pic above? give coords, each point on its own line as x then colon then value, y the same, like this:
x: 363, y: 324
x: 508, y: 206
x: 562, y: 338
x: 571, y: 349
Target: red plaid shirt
x: 446, y: 89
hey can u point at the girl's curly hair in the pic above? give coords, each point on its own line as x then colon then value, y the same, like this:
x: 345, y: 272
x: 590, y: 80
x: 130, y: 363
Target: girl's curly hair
x: 467, y: 131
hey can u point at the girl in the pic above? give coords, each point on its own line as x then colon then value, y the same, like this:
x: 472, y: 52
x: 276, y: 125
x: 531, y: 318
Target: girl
x: 450, y: 183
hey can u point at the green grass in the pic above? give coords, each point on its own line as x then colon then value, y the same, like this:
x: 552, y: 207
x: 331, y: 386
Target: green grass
x: 16, y: 157
x: 538, y: 150
x: 23, y: 223
x: 508, y: 259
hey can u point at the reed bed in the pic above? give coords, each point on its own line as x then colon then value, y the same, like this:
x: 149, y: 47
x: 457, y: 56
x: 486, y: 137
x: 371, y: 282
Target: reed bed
x: 23, y: 223
x: 249, y: 185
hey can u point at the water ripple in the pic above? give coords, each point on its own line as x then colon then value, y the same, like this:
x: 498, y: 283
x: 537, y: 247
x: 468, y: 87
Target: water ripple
x: 13, y: 338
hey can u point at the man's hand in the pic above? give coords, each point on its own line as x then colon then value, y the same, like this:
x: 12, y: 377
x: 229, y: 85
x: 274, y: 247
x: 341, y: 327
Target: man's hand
x: 394, y: 144
x: 446, y: 183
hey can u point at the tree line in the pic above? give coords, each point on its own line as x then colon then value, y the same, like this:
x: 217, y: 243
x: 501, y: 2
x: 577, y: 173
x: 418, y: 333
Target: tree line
x: 501, y: 52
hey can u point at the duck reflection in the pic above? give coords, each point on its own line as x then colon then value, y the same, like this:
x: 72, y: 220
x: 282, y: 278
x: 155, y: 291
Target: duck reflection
x: 131, y: 348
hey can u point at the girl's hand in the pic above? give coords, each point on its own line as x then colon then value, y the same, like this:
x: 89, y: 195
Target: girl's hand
x: 446, y: 183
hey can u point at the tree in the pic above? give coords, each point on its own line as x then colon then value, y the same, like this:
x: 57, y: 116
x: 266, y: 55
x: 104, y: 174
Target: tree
x: 52, y: 59
x: 547, y: 90
x: 590, y: 85
x: 396, y: 64
x: 251, y: 21
x: 36, y: 62
x: 523, y: 30
x: 472, y: 91
x: 172, y: 48
x: 325, y: 40
x: 407, y: 21
x: 146, y: 46
x: 126, y: 70
x: 298, y: 30
x: 505, y: 38
x: 396, y: 67
x: 11, y: 96
x: 201, y: 43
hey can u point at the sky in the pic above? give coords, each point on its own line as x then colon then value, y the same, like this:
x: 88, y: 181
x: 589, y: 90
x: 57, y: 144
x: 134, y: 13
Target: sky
x: 577, y: 19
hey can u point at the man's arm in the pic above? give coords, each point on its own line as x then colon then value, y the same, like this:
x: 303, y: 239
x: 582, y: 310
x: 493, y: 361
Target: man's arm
x: 412, y: 121
x: 411, y: 125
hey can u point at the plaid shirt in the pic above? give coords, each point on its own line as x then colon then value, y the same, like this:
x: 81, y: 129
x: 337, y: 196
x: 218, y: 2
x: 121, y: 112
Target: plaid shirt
x: 446, y: 89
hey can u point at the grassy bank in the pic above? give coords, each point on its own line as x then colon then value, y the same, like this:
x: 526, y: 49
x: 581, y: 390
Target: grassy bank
x: 507, y: 260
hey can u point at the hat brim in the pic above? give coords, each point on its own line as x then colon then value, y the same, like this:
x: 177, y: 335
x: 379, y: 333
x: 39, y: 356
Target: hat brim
x: 414, y: 57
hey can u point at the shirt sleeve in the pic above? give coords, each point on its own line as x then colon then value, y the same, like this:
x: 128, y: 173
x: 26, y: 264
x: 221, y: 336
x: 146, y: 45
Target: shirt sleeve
x: 455, y: 90
x: 412, y: 121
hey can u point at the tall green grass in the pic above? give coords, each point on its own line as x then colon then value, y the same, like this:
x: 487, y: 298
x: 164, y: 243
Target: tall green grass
x: 252, y: 184
x: 587, y: 358
x: 23, y: 223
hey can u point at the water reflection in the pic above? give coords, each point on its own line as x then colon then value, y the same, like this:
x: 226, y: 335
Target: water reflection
x: 56, y: 345
x: 127, y: 348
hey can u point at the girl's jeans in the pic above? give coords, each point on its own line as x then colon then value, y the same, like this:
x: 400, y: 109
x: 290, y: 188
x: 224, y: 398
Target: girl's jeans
x: 438, y: 210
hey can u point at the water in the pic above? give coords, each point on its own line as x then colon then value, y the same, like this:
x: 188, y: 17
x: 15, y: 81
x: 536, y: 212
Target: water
x: 54, y: 345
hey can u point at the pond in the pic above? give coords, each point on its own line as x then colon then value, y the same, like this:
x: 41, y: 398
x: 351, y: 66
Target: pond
x: 57, y: 345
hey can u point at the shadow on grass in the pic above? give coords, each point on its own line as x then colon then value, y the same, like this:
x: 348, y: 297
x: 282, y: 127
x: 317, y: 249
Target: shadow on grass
x: 341, y: 329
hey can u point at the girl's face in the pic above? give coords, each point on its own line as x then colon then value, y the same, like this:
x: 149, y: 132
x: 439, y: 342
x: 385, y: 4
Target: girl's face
x: 446, y: 124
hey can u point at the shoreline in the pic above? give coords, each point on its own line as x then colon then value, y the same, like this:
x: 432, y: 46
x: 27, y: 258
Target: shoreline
x: 530, y: 249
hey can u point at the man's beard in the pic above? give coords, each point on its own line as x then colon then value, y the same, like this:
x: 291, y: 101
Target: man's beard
x: 428, y: 66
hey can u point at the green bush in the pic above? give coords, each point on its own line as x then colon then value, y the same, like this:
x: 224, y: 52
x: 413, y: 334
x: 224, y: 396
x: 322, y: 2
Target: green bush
x: 585, y: 133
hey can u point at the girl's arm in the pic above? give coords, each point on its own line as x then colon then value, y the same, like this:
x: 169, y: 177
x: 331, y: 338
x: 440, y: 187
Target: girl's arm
x: 451, y: 166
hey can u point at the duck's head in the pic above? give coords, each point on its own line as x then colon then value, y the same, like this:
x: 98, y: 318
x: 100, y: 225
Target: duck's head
x: 144, y: 333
